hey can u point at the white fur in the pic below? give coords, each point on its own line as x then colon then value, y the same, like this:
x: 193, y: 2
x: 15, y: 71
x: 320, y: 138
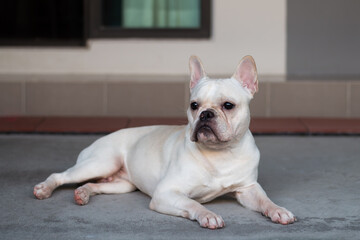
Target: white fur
x: 177, y: 173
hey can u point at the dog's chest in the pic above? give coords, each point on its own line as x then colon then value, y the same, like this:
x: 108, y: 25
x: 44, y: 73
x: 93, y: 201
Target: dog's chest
x: 215, y: 184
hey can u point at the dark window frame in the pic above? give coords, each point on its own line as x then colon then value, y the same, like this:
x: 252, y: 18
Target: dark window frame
x: 47, y: 42
x: 97, y: 30
x: 92, y: 28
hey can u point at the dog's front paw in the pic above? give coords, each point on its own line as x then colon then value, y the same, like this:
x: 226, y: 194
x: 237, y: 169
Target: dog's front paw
x: 42, y: 191
x: 280, y: 215
x: 210, y: 220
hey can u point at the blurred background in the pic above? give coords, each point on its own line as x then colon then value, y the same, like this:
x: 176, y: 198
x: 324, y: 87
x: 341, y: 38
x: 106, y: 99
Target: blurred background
x: 130, y: 57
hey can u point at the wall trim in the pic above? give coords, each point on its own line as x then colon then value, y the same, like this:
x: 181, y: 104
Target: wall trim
x: 163, y: 96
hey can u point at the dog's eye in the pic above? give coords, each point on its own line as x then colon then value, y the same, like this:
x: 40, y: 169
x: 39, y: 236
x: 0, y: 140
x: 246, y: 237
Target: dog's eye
x: 228, y: 106
x: 194, y: 105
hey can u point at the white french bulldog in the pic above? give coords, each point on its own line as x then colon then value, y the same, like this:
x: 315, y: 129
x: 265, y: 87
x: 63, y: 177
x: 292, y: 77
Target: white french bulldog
x: 181, y: 167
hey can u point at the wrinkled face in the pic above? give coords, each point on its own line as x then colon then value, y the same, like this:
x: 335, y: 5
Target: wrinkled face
x: 219, y: 108
x: 218, y: 112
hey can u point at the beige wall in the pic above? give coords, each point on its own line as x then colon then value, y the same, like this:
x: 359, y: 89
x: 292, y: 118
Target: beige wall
x: 240, y: 27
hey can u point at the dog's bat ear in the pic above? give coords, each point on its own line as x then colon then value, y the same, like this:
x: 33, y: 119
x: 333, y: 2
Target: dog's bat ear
x: 196, y: 71
x: 246, y: 74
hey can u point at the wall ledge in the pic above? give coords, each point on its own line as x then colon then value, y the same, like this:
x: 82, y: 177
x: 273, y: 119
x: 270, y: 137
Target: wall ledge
x: 166, y: 96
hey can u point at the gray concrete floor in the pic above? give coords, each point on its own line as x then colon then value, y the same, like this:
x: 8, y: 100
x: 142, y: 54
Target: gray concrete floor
x: 317, y: 178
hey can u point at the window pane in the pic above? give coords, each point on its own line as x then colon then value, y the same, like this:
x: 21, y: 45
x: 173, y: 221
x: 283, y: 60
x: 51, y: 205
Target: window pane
x: 41, y: 19
x: 152, y: 13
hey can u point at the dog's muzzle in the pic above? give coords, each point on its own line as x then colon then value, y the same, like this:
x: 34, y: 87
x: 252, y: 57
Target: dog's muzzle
x: 204, y: 125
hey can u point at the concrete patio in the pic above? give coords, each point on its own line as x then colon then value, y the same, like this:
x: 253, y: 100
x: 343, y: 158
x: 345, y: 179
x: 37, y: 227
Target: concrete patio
x: 317, y: 178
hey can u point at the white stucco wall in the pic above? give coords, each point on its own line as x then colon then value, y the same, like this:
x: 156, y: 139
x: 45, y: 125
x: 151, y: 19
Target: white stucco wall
x: 240, y: 27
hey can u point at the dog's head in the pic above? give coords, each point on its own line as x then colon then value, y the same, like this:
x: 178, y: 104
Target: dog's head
x: 219, y: 108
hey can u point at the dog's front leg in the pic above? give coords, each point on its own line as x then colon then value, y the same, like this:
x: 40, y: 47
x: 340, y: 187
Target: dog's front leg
x: 255, y: 198
x: 177, y: 204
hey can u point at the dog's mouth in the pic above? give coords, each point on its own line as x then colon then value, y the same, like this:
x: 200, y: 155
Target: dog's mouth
x: 204, y: 132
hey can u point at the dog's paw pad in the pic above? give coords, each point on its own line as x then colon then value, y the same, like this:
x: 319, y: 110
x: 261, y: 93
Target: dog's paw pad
x: 211, y: 220
x: 42, y: 191
x: 82, y: 195
x: 281, y: 215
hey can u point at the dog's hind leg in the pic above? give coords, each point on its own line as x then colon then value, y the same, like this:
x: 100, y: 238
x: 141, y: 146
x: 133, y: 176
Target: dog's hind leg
x: 87, y: 169
x: 83, y: 193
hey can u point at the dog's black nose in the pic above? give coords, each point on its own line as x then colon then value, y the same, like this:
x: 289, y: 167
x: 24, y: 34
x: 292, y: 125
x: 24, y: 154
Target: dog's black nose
x: 206, y: 115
